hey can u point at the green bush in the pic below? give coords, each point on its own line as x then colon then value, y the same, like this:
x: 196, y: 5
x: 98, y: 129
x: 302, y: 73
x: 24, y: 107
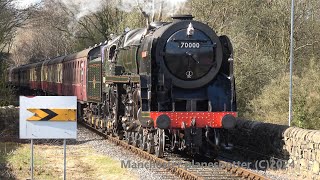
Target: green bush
x: 272, y: 105
x: 6, y: 92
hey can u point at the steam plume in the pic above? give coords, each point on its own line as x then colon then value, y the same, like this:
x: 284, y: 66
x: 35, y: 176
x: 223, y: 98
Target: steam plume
x: 168, y: 7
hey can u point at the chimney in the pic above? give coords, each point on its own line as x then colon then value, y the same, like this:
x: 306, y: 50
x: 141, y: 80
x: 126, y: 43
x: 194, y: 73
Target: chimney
x: 182, y: 17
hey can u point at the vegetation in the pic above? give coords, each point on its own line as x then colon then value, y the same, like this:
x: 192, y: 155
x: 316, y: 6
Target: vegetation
x: 6, y: 92
x: 82, y: 163
x: 259, y: 31
x: 10, y: 19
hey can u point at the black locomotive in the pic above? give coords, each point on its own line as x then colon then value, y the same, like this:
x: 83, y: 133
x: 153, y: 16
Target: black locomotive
x: 167, y: 86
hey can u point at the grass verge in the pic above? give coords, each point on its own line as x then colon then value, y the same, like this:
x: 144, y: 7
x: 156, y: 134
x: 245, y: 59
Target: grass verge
x: 83, y: 162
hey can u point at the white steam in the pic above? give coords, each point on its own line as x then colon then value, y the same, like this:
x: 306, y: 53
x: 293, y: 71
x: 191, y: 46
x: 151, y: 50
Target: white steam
x: 81, y: 8
x: 168, y: 7
x: 23, y: 4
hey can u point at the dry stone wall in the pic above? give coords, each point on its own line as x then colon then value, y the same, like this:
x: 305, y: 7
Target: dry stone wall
x: 298, y: 148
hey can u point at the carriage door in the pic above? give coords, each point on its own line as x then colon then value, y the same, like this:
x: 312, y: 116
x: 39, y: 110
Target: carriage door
x: 94, y: 88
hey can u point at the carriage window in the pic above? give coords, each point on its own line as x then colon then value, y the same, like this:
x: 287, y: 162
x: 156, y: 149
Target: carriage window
x: 81, y: 71
x: 112, y: 51
x: 46, y: 74
x: 60, y: 74
x: 94, y: 54
x: 69, y: 79
x: 73, y: 72
x: 78, y: 72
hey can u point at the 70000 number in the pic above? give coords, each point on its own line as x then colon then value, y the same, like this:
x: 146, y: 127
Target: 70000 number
x: 189, y: 45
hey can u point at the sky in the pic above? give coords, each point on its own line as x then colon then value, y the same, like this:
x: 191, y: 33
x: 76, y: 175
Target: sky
x: 22, y: 4
x: 86, y: 7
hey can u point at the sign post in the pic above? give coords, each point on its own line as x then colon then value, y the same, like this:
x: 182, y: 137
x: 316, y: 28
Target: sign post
x: 48, y: 117
x: 31, y: 159
x: 65, y: 159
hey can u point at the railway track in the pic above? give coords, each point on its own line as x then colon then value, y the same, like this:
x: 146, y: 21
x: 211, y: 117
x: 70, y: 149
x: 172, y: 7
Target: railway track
x: 186, y: 168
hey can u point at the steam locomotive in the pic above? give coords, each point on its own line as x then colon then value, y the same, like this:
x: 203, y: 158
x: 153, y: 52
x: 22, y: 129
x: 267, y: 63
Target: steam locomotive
x: 167, y: 86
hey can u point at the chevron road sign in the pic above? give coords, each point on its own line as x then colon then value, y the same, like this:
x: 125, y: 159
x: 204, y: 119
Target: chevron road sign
x: 53, y: 114
x: 48, y: 117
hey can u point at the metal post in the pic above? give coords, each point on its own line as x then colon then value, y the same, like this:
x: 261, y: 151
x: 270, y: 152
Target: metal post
x: 291, y: 62
x: 31, y: 159
x: 65, y: 159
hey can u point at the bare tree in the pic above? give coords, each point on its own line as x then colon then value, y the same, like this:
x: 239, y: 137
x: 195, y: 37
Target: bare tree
x: 10, y: 19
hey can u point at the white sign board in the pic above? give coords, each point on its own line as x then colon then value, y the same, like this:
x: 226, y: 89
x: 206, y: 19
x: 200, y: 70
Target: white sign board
x: 48, y: 117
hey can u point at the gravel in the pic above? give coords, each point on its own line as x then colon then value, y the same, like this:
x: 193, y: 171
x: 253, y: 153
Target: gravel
x: 274, y: 174
x: 103, y: 146
x: 107, y: 148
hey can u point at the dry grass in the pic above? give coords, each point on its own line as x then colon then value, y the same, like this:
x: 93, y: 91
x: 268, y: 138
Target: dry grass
x: 82, y: 163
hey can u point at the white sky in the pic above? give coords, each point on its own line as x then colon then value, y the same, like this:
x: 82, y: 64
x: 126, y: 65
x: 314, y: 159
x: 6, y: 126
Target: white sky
x: 91, y: 6
x: 22, y: 4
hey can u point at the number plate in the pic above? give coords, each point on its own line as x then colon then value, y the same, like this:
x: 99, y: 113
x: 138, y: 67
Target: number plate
x: 192, y: 45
